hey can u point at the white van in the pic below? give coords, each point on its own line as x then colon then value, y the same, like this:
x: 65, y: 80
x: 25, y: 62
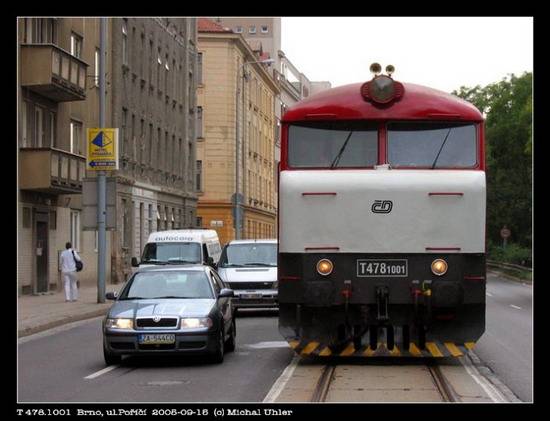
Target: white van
x: 180, y: 247
x: 249, y: 268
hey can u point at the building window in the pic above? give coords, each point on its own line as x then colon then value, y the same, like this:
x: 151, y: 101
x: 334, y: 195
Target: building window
x: 38, y: 127
x: 159, y: 67
x: 141, y: 227
x: 252, y: 29
x: 264, y: 29
x: 198, y: 177
x: 76, y: 45
x: 124, y: 135
x: 199, y: 68
x: 199, y: 123
x: 24, y: 125
x: 124, y: 42
x: 26, y: 217
x: 75, y: 229
x: 125, y: 237
x: 199, y: 221
x: 53, y: 127
x: 150, y: 220
x: 239, y: 30
x: 76, y: 137
x: 150, y: 62
x: 53, y: 220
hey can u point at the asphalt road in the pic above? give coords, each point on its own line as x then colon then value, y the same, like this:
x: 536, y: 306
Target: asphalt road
x: 53, y: 368
x: 507, y: 344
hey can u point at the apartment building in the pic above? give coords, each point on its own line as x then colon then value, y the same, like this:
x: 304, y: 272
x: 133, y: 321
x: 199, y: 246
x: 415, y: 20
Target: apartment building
x: 153, y: 98
x: 236, y: 97
x: 151, y: 68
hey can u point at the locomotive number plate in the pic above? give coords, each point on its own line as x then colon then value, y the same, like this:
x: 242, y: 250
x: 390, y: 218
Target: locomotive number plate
x: 382, y: 267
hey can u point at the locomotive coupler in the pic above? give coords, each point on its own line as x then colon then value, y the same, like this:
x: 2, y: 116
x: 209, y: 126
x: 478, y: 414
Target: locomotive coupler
x: 382, y: 297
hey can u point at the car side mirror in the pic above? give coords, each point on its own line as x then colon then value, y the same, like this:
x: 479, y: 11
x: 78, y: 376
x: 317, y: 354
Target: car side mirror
x: 226, y: 293
x: 210, y: 261
x: 111, y: 295
x: 135, y: 262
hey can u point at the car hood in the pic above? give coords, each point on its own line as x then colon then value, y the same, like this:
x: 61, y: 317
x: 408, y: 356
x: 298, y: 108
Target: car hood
x: 162, y: 307
x: 257, y: 274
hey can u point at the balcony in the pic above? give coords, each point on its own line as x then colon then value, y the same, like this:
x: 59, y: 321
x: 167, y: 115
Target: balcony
x: 50, y: 170
x: 52, y: 72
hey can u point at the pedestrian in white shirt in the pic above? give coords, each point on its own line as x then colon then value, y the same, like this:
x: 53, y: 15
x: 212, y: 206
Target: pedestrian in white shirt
x: 68, y: 270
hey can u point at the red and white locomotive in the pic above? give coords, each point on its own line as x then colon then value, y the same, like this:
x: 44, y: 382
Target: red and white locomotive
x: 382, y: 202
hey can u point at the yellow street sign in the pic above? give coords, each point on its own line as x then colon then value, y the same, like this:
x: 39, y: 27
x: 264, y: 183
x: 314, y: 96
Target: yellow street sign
x: 102, y: 149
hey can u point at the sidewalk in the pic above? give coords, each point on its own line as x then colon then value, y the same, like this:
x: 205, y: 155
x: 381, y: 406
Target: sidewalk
x: 40, y: 312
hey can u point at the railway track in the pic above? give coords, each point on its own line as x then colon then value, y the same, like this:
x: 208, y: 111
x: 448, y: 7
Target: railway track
x: 329, y: 374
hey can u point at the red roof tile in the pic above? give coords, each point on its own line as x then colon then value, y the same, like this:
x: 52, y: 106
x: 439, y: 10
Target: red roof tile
x: 207, y: 25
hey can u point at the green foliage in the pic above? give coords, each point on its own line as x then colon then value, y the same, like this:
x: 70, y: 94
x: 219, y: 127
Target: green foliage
x: 513, y: 253
x: 507, y: 106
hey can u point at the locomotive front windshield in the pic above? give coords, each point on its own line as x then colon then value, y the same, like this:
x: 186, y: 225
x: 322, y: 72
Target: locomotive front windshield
x: 333, y: 144
x: 432, y: 145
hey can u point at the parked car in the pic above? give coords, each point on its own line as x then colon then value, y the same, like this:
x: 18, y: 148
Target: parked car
x: 199, y: 246
x: 170, y: 310
x: 249, y: 267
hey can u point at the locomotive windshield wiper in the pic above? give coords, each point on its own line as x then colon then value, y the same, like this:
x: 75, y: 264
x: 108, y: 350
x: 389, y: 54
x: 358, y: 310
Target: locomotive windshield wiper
x: 340, y: 152
x: 441, y: 148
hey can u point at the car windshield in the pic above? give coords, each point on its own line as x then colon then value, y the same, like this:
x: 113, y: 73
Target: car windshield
x: 171, y: 253
x: 168, y: 284
x: 432, y: 145
x: 332, y: 145
x: 249, y: 255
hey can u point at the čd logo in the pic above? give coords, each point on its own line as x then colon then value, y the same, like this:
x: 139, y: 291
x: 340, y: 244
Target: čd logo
x: 382, y: 206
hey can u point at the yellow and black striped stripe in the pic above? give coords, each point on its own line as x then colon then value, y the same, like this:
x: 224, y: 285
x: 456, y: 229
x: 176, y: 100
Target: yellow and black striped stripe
x: 432, y: 349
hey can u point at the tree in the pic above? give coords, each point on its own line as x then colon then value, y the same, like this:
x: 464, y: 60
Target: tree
x: 507, y: 106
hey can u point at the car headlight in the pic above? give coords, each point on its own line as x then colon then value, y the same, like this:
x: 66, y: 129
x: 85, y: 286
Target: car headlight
x: 439, y: 267
x: 324, y: 267
x: 275, y: 285
x: 120, y: 324
x: 195, y: 322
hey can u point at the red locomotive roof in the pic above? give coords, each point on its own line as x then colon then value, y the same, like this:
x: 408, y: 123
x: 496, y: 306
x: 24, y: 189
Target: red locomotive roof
x: 417, y: 103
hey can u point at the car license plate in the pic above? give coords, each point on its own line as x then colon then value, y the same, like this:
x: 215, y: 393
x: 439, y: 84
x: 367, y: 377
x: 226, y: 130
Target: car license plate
x: 251, y: 296
x: 155, y: 339
x: 382, y: 267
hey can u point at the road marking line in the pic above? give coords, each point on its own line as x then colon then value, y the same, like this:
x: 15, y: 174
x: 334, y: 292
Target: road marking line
x: 281, y: 382
x: 516, y: 307
x: 489, y: 294
x: 491, y: 390
x: 100, y: 372
x: 269, y: 344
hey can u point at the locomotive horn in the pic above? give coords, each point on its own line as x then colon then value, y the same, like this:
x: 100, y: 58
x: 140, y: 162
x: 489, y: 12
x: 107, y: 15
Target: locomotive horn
x: 375, y: 68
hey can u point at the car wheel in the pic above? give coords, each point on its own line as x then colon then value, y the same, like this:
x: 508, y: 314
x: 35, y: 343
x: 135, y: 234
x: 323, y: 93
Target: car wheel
x: 111, y: 359
x: 218, y: 354
x: 230, y: 343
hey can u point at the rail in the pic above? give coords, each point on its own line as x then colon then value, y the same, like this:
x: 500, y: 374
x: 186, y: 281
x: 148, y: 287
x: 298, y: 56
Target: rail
x: 444, y: 388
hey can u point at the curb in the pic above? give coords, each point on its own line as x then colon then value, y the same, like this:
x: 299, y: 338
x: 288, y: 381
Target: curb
x: 510, y: 277
x: 36, y: 329
x: 485, y: 371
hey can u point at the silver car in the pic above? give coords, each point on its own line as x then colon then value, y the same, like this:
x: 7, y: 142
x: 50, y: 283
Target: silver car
x: 249, y: 267
x: 170, y: 310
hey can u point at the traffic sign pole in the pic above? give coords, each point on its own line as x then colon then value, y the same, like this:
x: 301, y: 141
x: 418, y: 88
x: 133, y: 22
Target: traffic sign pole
x: 101, y: 177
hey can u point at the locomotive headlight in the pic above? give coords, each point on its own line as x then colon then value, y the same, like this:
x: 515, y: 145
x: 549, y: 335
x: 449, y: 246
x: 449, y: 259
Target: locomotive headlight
x: 324, y: 267
x: 439, y: 267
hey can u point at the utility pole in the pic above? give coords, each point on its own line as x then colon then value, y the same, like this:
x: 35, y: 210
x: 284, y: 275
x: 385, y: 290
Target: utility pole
x: 101, y: 176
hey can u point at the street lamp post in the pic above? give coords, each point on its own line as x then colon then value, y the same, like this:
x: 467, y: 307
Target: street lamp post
x: 237, y: 209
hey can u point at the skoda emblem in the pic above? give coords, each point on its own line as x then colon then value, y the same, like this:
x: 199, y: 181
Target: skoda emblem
x: 156, y: 319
